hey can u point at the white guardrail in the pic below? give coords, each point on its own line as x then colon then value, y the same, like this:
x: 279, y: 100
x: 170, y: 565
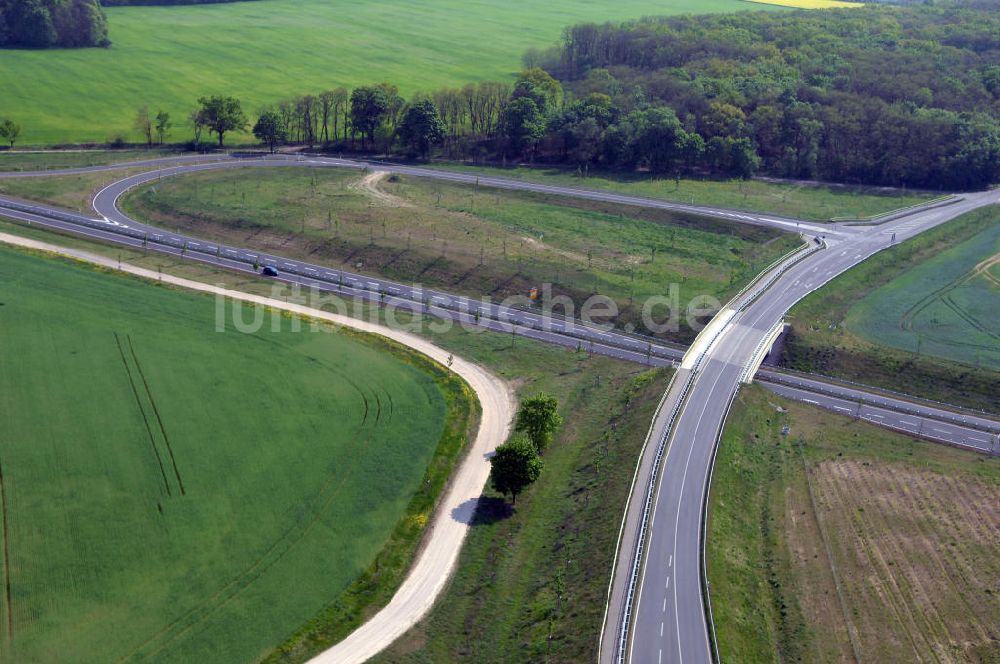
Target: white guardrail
x: 768, y: 277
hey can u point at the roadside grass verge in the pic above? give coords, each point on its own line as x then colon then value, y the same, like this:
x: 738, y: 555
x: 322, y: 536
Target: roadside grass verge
x: 817, y: 202
x: 17, y: 160
x: 827, y: 326
x: 280, y: 508
x: 532, y: 581
x: 839, y: 531
x: 473, y: 240
x: 73, y: 192
x: 532, y: 587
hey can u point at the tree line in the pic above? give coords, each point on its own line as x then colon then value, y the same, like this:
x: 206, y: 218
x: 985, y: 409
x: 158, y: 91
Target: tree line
x: 880, y: 96
x: 52, y: 23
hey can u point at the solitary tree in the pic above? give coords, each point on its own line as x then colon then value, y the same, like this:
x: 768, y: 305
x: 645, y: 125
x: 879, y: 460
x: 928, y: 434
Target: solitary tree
x: 221, y: 114
x: 369, y: 107
x: 514, y: 466
x: 421, y: 127
x: 9, y: 131
x: 163, y: 125
x: 539, y: 418
x: 270, y: 130
x: 144, y: 125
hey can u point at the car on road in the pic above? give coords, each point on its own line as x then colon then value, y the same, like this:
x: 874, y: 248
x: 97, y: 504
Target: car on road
x: 269, y: 271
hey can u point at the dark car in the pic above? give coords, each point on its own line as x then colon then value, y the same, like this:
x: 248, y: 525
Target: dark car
x: 269, y: 271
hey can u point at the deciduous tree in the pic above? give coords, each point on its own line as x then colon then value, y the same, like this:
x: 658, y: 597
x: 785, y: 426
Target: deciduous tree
x: 222, y: 114
x: 9, y: 131
x: 514, y: 466
x: 369, y: 106
x: 270, y: 130
x: 538, y: 417
x: 421, y: 127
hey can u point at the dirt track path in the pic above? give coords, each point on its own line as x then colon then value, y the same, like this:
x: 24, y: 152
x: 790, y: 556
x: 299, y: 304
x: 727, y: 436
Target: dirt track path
x: 369, y: 186
x: 446, y: 532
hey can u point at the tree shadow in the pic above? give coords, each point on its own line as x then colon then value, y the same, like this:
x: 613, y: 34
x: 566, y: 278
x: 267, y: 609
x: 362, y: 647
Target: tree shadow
x: 483, y: 511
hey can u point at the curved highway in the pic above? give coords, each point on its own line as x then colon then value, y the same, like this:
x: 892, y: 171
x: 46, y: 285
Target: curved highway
x: 657, y: 610
x: 657, y: 580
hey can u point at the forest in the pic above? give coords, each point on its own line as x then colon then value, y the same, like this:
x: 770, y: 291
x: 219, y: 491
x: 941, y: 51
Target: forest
x: 880, y: 95
x: 893, y: 96
x: 52, y: 23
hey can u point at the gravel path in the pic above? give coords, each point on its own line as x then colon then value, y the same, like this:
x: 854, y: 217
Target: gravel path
x: 446, y: 532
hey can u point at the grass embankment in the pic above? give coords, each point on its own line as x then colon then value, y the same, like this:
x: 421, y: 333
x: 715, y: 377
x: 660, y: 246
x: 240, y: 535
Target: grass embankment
x: 264, y: 52
x: 184, y: 494
x: 69, y: 191
x: 463, y: 238
x: 907, y: 529
x: 799, y: 201
x: 533, y: 582
x: 39, y: 161
x: 913, y: 293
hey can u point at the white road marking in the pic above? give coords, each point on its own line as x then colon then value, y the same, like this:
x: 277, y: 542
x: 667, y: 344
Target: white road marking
x: 661, y: 628
x: 811, y: 401
x: 846, y: 410
x: 670, y: 563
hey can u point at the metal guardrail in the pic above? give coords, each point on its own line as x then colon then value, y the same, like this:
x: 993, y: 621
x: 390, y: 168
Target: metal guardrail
x: 783, y: 264
x: 899, y: 405
x: 644, y: 523
x: 883, y: 217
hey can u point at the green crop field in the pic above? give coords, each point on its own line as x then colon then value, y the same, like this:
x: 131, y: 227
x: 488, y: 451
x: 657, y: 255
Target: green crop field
x: 264, y: 51
x: 177, y: 493
x: 866, y: 324
x: 47, y: 160
x: 469, y: 239
x: 948, y: 306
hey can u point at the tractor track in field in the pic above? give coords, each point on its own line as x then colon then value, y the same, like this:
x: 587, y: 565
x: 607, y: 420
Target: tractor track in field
x: 272, y: 555
x: 438, y: 553
x: 944, y: 295
x: 156, y: 412
x: 142, y: 412
x: 6, y: 557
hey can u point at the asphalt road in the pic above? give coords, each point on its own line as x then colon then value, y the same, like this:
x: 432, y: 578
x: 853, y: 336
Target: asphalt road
x: 663, y: 596
x: 674, y: 517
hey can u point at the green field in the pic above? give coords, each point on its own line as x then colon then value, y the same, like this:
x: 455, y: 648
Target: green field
x: 52, y: 159
x: 265, y: 51
x: 527, y: 582
x: 866, y: 324
x: 948, y: 306
x: 463, y: 238
x: 790, y: 199
x: 182, y: 494
x: 834, y: 540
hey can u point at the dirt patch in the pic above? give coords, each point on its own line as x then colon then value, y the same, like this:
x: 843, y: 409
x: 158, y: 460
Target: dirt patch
x: 368, y: 185
x: 538, y: 244
x: 916, y: 553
